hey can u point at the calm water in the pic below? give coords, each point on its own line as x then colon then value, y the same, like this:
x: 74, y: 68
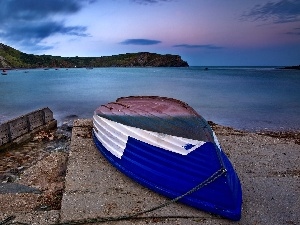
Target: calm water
x: 245, y: 98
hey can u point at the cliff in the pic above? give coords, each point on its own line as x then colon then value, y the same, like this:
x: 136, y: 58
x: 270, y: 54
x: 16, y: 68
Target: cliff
x: 12, y: 58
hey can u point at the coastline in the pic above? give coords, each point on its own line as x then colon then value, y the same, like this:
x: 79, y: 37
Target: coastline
x: 268, y: 167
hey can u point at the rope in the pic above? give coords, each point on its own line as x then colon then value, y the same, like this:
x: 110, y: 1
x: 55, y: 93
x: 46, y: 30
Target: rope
x: 209, y: 180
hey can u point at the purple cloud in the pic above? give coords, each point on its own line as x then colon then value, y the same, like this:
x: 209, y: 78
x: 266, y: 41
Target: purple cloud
x: 140, y: 42
x: 296, y: 31
x: 197, y: 46
x: 278, y: 12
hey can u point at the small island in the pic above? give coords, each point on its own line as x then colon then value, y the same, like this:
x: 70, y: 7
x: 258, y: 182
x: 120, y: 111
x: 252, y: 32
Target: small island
x: 12, y: 58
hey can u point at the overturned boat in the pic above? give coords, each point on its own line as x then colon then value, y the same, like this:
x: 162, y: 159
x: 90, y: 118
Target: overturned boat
x: 165, y: 145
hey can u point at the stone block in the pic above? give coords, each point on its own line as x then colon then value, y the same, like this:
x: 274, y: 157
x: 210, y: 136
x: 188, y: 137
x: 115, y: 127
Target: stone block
x: 4, y: 133
x: 18, y: 127
x: 36, y: 119
x: 48, y: 114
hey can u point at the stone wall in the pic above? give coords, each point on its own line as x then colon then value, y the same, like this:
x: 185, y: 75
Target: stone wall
x: 20, y: 129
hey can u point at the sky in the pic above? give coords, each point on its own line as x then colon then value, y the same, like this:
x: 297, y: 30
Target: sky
x: 202, y: 32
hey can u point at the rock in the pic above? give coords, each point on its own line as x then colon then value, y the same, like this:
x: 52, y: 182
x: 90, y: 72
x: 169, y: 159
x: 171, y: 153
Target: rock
x: 17, y: 188
x: 68, y: 123
x: 20, y: 168
x: 14, y: 171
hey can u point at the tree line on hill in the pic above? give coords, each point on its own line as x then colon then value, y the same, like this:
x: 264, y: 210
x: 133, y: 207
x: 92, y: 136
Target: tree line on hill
x: 12, y: 58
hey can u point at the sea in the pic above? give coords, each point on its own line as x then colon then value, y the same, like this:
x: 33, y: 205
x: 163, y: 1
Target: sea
x: 245, y: 98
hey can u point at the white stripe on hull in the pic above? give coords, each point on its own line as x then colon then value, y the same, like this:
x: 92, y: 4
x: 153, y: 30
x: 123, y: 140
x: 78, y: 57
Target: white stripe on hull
x: 114, y: 136
x: 216, y: 141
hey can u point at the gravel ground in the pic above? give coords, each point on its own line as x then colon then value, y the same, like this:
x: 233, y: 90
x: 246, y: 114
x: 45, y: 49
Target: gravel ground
x: 32, y: 176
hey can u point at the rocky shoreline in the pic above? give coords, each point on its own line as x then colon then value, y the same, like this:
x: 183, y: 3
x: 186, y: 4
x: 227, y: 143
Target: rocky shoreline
x: 32, y: 175
x: 14, y: 163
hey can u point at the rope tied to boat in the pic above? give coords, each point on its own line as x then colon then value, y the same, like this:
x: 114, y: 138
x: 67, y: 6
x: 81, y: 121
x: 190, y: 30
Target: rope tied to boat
x: 204, y: 183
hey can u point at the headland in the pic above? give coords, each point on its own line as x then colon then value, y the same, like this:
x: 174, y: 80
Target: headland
x: 12, y: 58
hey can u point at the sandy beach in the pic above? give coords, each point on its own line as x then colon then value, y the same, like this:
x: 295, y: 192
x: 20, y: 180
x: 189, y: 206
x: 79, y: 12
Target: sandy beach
x: 62, y: 186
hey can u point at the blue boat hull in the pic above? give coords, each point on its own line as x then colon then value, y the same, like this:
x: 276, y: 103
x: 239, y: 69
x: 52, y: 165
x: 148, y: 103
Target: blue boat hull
x: 172, y: 174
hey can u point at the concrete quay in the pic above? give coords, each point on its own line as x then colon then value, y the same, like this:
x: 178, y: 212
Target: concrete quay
x: 95, y: 189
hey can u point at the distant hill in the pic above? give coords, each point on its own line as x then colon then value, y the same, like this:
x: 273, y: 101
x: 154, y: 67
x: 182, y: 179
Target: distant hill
x: 12, y: 58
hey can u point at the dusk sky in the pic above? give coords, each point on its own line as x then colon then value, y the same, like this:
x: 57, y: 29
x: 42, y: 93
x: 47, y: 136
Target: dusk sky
x: 202, y: 32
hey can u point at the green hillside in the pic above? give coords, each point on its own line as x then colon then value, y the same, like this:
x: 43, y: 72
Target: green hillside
x: 12, y: 58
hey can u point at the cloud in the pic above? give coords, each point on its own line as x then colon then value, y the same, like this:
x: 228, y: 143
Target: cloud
x: 140, y: 42
x: 36, y: 32
x: 37, y: 47
x: 296, y: 31
x: 28, y: 22
x: 146, y: 2
x: 32, y: 9
x: 283, y: 11
x: 197, y: 46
